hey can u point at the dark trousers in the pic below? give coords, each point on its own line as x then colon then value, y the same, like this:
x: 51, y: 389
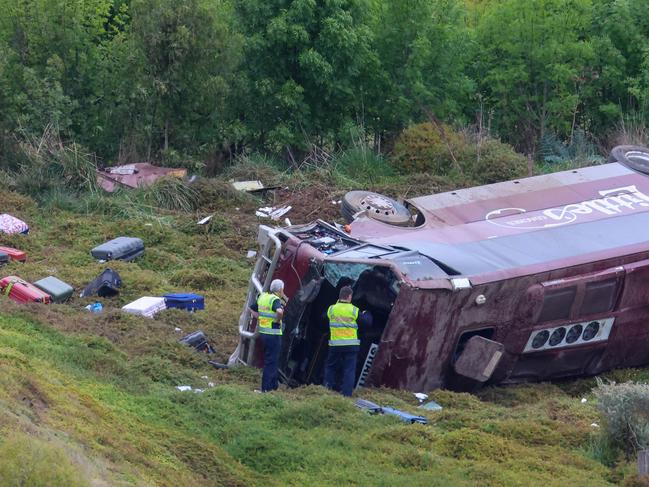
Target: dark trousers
x: 340, y: 369
x: 272, y: 347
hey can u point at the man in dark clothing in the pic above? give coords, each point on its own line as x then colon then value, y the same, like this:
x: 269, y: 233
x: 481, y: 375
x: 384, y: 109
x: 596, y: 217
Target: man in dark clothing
x: 269, y: 311
x: 344, y: 344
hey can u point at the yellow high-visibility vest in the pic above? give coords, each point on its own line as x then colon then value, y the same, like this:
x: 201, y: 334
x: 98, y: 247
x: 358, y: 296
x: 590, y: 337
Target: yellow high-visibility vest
x: 267, y: 316
x: 343, y: 327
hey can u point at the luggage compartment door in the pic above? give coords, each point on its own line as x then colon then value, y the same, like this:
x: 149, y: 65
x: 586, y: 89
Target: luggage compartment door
x: 479, y: 358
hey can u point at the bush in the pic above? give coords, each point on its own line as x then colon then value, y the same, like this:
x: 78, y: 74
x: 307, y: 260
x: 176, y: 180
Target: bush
x: 625, y: 413
x: 442, y: 151
x: 494, y: 161
x: 427, y: 148
x: 29, y: 461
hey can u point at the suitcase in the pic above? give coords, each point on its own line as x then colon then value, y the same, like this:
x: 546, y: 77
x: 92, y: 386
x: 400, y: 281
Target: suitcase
x: 14, y: 254
x: 146, y: 306
x: 120, y: 248
x: 10, y: 225
x: 198, y: 340
x: 4, y: 258
x: 106, y: 285
x: 57, y: 289
x: 189, y: 302
x: 22, y: 292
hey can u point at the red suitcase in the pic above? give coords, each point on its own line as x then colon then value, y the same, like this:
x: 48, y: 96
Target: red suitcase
x: 22, y: 291
x: 14, y: 254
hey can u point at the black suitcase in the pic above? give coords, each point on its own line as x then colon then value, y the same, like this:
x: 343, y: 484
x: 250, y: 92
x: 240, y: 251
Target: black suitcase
x: 4, y: 258
x: 198, y: 340
x: 106, y: 285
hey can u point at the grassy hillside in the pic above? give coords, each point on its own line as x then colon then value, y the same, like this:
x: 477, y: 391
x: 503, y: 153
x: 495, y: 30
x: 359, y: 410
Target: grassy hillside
x: 90, y: 399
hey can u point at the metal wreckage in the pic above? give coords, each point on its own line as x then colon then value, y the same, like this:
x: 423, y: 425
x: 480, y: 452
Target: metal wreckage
x: 534, y: 279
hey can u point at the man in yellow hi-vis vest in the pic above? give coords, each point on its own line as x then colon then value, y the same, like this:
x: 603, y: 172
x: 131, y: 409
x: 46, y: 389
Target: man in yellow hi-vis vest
x: 269, y: 311
x: 343, y: 343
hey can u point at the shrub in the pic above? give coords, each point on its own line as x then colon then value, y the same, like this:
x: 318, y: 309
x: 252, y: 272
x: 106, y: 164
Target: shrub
x: 33, y: 462
x: 494, y: 161
x: 427, y: 148
x: 442, y: 151
x: 625, y: 413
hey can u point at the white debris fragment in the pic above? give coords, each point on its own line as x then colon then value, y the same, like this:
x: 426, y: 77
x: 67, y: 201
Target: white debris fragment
x: 205, y: 220
x: 198, y: 391
x: 584, y: 400
x: 421, y: 397
x: 177, y: 330
x: 148, y: 224
x: 287, y: 222
x: 333, y: 202
x: 594, y: 425
x: 211, y: 384
x: 204, y: 377
x: 251, y: 254
x: 272, y: 212
x: 184, y: 388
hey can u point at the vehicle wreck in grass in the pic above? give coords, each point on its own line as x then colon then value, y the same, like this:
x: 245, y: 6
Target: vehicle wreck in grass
x: 534, y: 279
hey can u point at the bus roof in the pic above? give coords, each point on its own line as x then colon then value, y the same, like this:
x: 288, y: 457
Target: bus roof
x: 581, y: 215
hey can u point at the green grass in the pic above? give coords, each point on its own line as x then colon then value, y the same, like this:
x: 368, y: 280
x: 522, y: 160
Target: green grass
x: 95, y: 394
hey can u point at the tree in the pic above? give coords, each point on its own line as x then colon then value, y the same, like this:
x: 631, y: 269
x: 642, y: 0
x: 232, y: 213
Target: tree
x: 533, y: 64
x: 306, y: 66
x: 423, y: 47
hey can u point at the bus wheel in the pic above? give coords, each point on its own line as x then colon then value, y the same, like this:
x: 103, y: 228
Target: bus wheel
x: 376, y: 206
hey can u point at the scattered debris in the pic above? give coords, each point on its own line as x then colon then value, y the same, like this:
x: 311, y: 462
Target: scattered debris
x: 431, y: 406
x: 211, y: 384
x: 403, y: 416
x: 272, y: 212
x: 249, y: 186
x: 594, y: 425
x: 584, y: 400
x: 184, y: 388
x: 178, y: 330
x: 198, y: 340
x: 217, y: 365
x: 421, y: 397
x: 135, y: 175
x: 205, y: 220
x: 251, y: 254
x: 95, y: 307
x: 287, y: 222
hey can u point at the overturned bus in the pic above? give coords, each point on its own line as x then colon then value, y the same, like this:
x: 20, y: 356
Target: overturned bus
x: 535, y: 279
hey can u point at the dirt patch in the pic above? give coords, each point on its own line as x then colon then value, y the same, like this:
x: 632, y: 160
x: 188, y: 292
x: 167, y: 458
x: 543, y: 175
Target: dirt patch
x: 309, y: 204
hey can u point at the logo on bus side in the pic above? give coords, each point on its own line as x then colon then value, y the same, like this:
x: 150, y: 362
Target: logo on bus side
x: 612, y: 202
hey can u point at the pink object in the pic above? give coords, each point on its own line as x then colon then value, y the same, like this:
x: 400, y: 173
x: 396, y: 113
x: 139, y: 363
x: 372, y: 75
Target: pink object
x: 10, y: 224
x: 135, y: 175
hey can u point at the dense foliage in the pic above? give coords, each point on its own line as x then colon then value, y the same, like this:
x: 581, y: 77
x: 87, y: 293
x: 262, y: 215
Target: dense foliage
x: 201, y: 81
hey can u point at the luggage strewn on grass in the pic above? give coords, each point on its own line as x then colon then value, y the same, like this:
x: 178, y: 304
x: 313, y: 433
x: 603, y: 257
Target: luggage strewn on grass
x: 145, y: 306
x: 57, y: 289
x: 106, y: 285
x: 14, y: 254
x: 11, y: 225
x: 187, y: 301
x: 199, y: 341
x: 21, y: 291
x: 120, y: 248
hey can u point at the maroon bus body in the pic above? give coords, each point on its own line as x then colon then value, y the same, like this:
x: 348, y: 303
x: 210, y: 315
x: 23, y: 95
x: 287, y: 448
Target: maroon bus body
x: 536, y: 279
